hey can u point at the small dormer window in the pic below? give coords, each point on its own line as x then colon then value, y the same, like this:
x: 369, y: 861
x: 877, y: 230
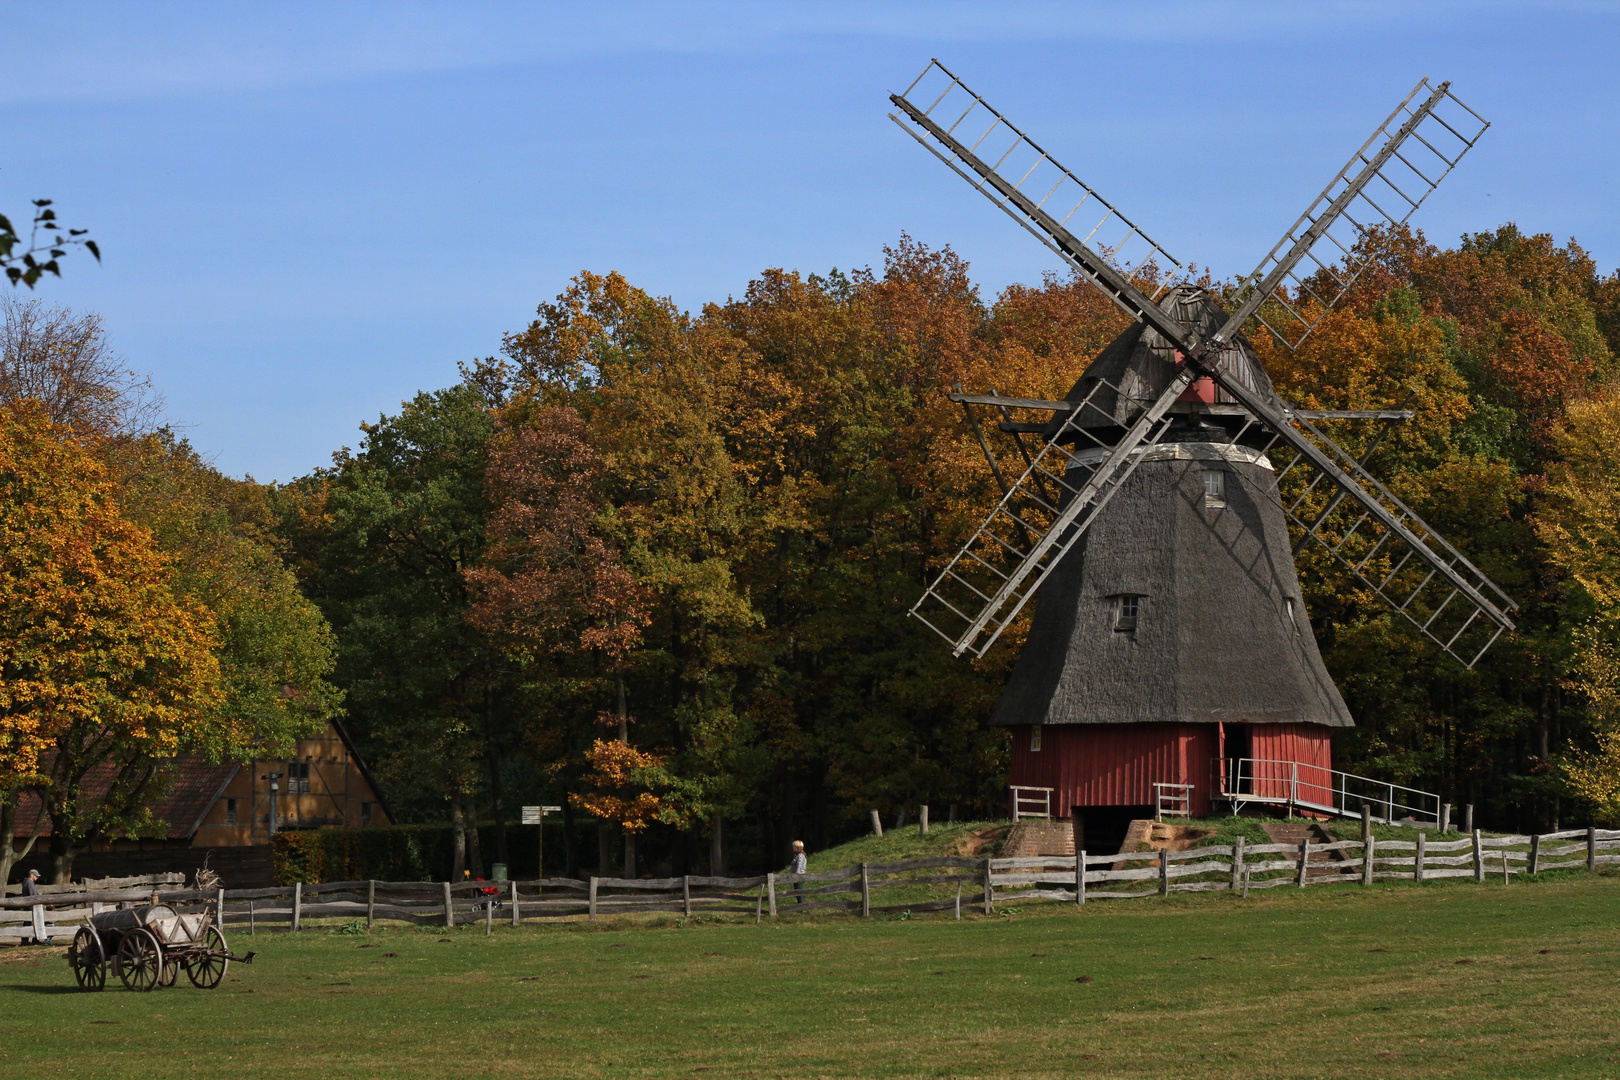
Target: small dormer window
x: 1034, y: 738
x: 1215, y: 488
x: 1126, y: 607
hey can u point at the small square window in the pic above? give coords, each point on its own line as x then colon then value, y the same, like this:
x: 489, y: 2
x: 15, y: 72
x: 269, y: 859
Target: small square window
x: 1034, y: 738
x: 1215, y: 487
x: 297, y: 778
x: 230, y: 811
x: 1125, y: 610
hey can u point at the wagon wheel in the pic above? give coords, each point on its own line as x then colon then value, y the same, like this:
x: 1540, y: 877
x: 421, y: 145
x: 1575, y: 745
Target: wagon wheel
x: 140, y: 961
x: 206, y: 969
x: 89, y: 965
x: 171, y: 970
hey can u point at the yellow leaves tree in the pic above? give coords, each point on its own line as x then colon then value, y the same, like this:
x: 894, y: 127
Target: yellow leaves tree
x: 102, y: 666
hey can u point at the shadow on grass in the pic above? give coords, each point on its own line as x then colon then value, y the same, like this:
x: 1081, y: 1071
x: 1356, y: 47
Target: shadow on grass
x: 41, y: 990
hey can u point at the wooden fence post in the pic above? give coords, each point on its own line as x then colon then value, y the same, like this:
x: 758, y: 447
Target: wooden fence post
x: 989, y: 893
x: 1080, y: 877
x: 298, y: 902
x: 371, y: 902
x: 1237, y: 863
x: 219, y: 907
x: 686, y: 894
x: 922, y: 819
x: 489, y: 915
x: 1535, y: 853
x: 517, y: 920
x: 449, y: 909
x: 958, y: 901
x: 1504, y: 866
x: 1591, y: 849
x: 770, y: 885
x: 1164, y: 871
x: 877, y: 824
x: 252, y: 926
x: 1366, y: 822
x: 1445, y: 818
x: 1304, y: 859
x: 1417, y: 863
x: 593, y: 899
x: 759, y: 904
x: 866, y: 891
x: 1369, y: 850
x: 1479, y: 857
x: 1468, y: 817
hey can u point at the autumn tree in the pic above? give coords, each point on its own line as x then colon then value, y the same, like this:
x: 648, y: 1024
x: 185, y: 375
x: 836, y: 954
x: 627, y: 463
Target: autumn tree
x: 62, y: 360
x: 103, y: 667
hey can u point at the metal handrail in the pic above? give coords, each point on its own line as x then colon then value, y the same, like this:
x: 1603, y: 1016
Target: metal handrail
x: 1246, y: 780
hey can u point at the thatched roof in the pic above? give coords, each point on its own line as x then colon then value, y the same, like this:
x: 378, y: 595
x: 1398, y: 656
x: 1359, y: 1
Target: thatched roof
x: 1216, y: 637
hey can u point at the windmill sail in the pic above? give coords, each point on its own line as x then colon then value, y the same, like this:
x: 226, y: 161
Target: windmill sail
x: 973, y: 600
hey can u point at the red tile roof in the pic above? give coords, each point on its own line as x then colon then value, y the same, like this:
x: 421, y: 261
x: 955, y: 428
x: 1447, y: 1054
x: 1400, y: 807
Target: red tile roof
x: 197, y: 784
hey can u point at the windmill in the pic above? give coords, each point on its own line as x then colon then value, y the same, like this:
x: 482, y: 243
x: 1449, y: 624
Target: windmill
x: 1150, y: 515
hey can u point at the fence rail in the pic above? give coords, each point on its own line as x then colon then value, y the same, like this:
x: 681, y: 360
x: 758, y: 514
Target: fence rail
x: 978, y: 883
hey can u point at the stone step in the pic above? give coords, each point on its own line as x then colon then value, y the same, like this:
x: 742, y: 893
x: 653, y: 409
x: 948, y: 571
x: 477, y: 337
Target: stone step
x: 1029, y: 839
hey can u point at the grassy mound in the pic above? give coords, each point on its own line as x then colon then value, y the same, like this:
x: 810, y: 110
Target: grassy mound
x: 979, y: 839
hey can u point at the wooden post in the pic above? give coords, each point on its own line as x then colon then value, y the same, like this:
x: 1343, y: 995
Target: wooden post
x: 1479, y: 857
x: 1304, y: 859
x: 1245, y: 883
x: 40, y: 934
x: 252, y: 926
x: 298, y: 902
x: 686, y: 894
x: 593, y: 899
x: 922, y: 819
x: 1366, y: 822
x: 1468, y: 817
x: 1164, y: 871
x: 866, y: 891
x: 1445, y: 818
x: 1535, y: 854
x: 1417, y: 863
x: 371, y: 902
x: 449, y: 909
x: 511, y: 889
x: 958, y: 901
x: 770, y: 885
x: 989, y: 893
x: 1369, y: 851
x: 1504, y: 867
x: 759, y: 904
x: 877, y: 824
x: 219, y: 908
x: 1591, y: 849
x: 489, y: 915
x: 1080, y: 877
x: 1237, y: 863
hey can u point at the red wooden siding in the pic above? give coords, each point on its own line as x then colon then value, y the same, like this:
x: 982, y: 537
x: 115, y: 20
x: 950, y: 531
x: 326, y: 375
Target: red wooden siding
x: 1307, y: 744
x: 1118, y: 764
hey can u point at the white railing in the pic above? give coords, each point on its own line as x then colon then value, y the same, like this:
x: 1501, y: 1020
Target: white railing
x: 1031, y: 802
x: 1174, y: 800
x: 1329, y: 791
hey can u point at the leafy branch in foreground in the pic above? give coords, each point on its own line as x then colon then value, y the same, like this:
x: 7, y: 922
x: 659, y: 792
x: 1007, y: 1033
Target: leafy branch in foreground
x: 45, y: 237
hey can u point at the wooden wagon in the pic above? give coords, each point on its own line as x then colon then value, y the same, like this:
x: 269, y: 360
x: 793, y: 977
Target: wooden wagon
x: 147, y: 947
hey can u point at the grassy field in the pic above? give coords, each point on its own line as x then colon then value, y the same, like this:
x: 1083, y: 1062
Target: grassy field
x: 1450, y: 979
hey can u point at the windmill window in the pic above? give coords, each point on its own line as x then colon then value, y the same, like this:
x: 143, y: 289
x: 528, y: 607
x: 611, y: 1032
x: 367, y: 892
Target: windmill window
x: 230, y: 811
x: 1215, y: 487
x: 1034, y: 738
x: 1126, y: 607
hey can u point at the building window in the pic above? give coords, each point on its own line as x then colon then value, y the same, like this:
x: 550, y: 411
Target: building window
x: 230, y: 811
x: 297, y: 778
x: 365, y: 813
x: 1034, y: 737
x: 1126, y: 606
x: 1215, y: 487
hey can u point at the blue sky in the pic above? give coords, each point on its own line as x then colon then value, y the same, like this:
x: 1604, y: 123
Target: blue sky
x: 308, y: 212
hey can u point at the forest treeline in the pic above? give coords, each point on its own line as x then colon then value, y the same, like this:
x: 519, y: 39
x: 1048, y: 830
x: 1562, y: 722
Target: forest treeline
x: 654, y: 565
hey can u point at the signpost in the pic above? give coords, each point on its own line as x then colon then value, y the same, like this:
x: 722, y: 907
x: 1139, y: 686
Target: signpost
x: 536, y: 815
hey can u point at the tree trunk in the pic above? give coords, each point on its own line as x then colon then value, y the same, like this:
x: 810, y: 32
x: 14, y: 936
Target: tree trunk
x: 9, y: 855
x: 475, y: 850
x: 604, y: 849
x: 624, y: 714
x: 497, y: 795
x: 717, y: 848
x: 458, y: 844
x: 570, y: 840
x: 629, y: 854
x: 61, y: 860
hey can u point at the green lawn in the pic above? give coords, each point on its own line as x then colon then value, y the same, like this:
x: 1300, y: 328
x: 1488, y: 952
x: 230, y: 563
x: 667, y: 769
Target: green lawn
x: 1450, y: 979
